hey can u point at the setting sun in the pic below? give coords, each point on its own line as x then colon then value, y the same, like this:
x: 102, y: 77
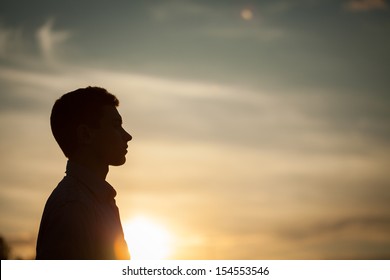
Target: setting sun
x: 147, y: 239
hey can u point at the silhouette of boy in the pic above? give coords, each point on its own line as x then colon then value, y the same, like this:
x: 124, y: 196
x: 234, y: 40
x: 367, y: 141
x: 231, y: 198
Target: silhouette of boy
x: 81, y: 219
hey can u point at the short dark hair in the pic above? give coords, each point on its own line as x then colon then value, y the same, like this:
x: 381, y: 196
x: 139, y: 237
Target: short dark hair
x: 81, y: 106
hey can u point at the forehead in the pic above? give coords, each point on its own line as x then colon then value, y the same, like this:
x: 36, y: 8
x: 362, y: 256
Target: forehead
x: 110, y: 113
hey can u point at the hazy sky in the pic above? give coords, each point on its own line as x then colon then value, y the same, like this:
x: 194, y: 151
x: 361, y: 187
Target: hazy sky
x: 261, y: 128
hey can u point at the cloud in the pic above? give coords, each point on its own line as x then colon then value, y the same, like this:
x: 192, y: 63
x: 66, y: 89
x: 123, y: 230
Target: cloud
x: 220, y: 21
x: 215, y: 146
x: 5, y: 38
x: 174, y: 9
x: 365, y: 5
x: 12, y: 41
x: 378, y: 224
x: 262, y: 33
x: 50, y: 39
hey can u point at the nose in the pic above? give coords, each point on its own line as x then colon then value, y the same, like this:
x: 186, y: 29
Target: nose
x: 126, y: 136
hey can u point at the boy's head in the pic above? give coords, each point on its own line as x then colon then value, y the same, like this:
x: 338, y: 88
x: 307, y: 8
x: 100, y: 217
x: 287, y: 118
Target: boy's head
x: 87, y: 117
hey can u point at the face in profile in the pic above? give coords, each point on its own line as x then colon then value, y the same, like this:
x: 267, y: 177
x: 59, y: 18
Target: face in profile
x: 110, y: 139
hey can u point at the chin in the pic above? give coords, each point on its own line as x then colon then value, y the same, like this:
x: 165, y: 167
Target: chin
x: 118, y: 162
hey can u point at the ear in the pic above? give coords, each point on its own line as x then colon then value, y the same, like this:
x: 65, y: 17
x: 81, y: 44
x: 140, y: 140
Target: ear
x: 84, y: 134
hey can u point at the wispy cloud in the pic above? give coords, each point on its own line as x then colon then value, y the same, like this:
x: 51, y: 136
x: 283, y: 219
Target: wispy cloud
x: 7, y: 39
x: 378, y: 224
x: 260, y: 33
x: 220, y: 21
x: 365, y: 5
x: 49, y: 40
x: 174, y: 9
x: 12, y: 42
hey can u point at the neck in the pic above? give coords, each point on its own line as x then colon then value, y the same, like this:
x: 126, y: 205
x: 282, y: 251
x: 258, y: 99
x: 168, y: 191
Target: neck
x: 99, y: 169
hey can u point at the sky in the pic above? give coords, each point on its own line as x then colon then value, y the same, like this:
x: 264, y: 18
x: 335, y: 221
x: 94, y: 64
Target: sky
x: 261, y: 129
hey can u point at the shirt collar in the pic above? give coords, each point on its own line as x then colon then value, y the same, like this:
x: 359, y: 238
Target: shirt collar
x: 100, y: 188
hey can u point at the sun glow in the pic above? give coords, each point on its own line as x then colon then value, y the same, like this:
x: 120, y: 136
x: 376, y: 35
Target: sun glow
x: 146, y: 239
x: 247, y: 14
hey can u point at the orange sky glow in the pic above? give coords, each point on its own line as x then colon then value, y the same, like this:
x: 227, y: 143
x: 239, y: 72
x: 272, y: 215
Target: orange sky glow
x: 258, y: 133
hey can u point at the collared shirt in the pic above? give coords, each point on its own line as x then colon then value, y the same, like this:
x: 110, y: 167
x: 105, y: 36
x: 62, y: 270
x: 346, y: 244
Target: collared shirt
x: 81, y: 220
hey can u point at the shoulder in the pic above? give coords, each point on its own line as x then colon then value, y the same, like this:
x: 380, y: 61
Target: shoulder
x: 69, y: 190
x: 70, y: 196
